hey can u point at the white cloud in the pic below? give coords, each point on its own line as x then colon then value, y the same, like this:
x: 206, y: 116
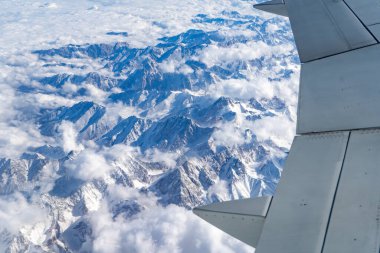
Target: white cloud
x: 230, y: 135
x: 95, y: 94
x: 69, y: 88
x: 219, y: 189
x: 17, y: 131
x: 158, y: 229
x: 244, y: 89
x: 14, y: 140
x: 256, y: 83
x: 169, y: 159
x: 88, y: 165
x: 28, y: 25
x: 17, y: 213
x: 169, y: 66
x: 279, y: 129
x: 24, y: 23
x: 271, y: 28
x: 69, y: 137
x: 24, y: 28
x: 119, y: 110
x: 175, y: 64
x: 216, y: 55
x: 50, y: 5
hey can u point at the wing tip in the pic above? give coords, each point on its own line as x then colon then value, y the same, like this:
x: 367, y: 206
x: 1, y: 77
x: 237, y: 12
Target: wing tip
x: 276, y: 7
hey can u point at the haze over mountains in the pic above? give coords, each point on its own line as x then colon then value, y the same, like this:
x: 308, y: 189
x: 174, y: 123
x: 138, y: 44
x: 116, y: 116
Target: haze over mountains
x: 107, y: 144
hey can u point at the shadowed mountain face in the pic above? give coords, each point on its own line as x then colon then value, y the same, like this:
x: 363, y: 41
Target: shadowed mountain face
x: 177, y: 120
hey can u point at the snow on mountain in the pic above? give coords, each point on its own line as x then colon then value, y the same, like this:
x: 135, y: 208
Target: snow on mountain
x: 132, y: 137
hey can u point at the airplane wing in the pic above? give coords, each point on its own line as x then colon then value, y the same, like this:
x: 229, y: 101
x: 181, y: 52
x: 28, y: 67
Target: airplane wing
x: 328, y: 199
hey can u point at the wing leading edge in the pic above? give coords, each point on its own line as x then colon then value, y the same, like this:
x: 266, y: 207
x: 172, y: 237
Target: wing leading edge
x: 328, y: 199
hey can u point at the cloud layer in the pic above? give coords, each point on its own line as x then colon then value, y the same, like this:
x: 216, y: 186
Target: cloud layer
x: 80, y: 185
x: 157, y: 229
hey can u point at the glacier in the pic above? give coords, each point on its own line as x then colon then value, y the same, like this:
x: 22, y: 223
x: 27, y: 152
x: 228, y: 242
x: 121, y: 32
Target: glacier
x: 131, y: 138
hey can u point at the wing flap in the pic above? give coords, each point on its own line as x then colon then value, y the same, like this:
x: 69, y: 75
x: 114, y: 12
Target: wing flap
x: 355, y: 219
x: 298, y: 216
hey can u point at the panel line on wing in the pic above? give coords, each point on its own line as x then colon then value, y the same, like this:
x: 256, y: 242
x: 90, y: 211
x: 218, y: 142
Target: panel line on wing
x: 336, y: 25
x: 221, y: 212
x: 367, y: 10
x: 235, y: 213
x: 355, y: 225
x: 361, y: 21
x: 336, y: 191
x: 340, y: 53
x: 297, y: 220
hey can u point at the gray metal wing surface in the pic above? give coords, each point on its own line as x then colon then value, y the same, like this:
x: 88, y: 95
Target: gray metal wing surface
x: 328, y: 199
x: 243, y: 219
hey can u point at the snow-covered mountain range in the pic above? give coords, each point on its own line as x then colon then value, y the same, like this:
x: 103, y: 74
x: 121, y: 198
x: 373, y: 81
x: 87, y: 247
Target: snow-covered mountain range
x: 131, y: 138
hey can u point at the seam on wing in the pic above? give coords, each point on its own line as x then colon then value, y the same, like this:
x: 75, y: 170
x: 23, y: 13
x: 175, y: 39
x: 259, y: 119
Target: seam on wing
x: 337, y: 27
x: 336, y: 191
x: 369, y: 31
x: 220, y: 212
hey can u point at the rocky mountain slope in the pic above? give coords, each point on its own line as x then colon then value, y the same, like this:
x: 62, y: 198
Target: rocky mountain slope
x: 185, y: 122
